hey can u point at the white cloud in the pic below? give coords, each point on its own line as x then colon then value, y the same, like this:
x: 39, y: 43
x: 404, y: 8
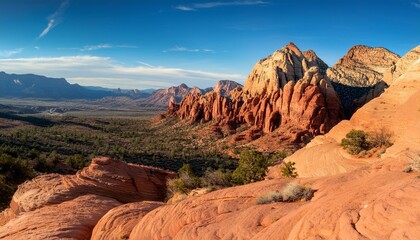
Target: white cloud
x: 184, y: 49
x: 196, y: 6
x: 103, y: 71
x: 88, y: 48
x: 54, y: 19
x: 184, y: 8
x: 10, y: 53
x: 416, y: 4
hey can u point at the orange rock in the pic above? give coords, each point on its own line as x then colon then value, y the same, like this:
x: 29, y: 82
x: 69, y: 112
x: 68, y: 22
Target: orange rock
x: 106, y: 177
x: 118, y: 222
x: 73, y: 219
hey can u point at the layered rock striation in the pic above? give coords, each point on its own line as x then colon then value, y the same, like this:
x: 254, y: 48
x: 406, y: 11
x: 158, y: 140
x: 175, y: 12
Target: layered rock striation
x: 57, y: 206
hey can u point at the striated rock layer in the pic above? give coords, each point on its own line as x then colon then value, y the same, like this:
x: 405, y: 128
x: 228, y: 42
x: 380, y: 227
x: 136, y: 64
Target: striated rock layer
x: 57, y: 206
x: 286, y: 89
x: 362, y: 66
x: 118, y: 223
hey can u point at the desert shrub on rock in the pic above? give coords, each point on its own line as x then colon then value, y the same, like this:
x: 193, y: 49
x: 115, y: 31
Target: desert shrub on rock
x: 359, y: 142
x: 288, y: 170
x: 290, y: 193
x: 252, y: 167
x: 217, y: 179
x: 355, y: 141
x: 380, y: 138
x: 186, y: 181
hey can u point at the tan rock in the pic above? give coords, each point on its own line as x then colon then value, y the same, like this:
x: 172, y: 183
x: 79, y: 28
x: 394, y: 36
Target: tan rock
x: 362, y: 66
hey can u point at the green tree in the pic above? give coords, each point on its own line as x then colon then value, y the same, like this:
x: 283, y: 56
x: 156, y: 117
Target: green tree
x: 289, y: 170
x: 252, y: 167
x: 355, y: 141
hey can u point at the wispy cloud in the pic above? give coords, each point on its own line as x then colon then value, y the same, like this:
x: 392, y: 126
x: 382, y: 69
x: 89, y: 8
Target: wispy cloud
x: 145, y: 64
x: 184, y: 49
x: 416, y: 4
x: 103, y: 71
x: 88, y: 48
x: 197, y: 6
x: 10, y: 53
x: 54, y: 19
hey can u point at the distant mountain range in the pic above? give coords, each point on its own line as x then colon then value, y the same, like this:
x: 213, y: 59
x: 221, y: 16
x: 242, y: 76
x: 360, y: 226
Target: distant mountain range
x: 36, y: 86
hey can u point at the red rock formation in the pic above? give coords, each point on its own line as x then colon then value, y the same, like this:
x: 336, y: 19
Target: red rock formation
x: 286, y: 89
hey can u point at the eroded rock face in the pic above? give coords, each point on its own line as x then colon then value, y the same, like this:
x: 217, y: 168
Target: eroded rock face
x: 118, y: 222
x: 73, y: 219
x: 362, y: 66
x: 402, y: 65
x: 105, y: 177
x: 288, y: 88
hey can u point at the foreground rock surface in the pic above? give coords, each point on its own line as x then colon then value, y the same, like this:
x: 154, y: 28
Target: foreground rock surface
x: 375, y: 202
x: 56, y: 206
x: 72, y: 219
x: 118, y: 223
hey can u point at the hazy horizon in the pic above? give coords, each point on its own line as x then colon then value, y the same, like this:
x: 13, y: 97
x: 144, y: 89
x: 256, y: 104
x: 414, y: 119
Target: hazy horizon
x: 157, y: 44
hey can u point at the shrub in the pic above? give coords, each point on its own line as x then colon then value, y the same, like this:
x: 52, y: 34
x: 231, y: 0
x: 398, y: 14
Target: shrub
x: 355, y: 141
x: 186, y: 181
x: 290, y: 193
x: 252, y: 167
x: 270, y: 197
x: 76, y: 161
x: 415, y: 165
x: 381, y: 137
x: 294, y: 191
x: 217, y: 179
x: 288, y: 170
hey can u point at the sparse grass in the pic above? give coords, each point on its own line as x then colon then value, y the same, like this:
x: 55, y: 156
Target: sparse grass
x: 290, y: 193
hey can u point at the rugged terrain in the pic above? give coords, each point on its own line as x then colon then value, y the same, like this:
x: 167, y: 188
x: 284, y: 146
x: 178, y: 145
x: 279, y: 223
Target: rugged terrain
x: 286, y: 92
x: 355, y: 198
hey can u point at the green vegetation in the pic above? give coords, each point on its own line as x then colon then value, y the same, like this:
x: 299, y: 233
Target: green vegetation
x: 13, y: 171
x: 252, y: 167
x: 360, y: 142
x: 290, y: 193
x: 288, y: 170
x: 355, y: 141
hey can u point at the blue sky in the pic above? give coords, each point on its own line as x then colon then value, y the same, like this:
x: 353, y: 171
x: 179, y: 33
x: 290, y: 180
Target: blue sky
x: 144, y: 44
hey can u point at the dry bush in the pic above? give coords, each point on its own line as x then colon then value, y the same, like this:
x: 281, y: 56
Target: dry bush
x: 290, y: 193
x: 273, y: 196
x: 381, y: 137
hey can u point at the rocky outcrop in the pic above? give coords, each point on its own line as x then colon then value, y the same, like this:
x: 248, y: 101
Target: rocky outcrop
x: 286, y: 89
x: 162, y: 97
x: 224, y: 87
x: 362, y: 66
x: 105, y: 177
x: 402, y: 65
x: 118, y: 222
x: 275, y: 71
